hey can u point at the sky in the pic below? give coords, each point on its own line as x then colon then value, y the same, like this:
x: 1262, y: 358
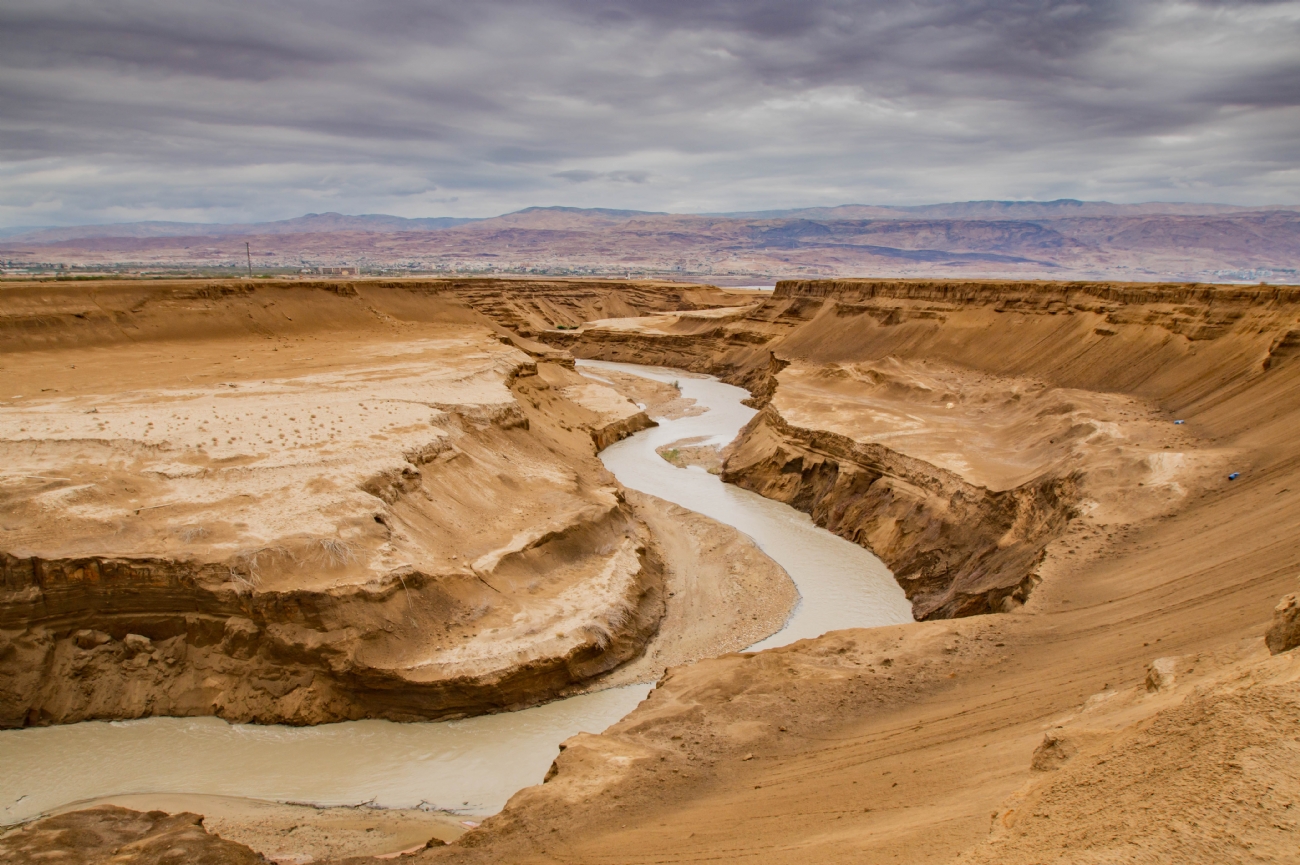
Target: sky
x: 249, y: 110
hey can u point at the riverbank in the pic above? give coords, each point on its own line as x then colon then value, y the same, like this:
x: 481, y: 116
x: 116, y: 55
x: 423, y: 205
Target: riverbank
x: 1124, y: 705
x: 718, y: 592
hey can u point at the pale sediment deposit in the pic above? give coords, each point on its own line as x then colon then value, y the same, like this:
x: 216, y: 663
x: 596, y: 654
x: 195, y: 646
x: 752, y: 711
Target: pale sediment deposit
x: 1090, y: 493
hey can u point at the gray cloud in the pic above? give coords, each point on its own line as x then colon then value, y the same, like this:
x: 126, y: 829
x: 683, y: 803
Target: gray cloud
x: 579, y: 175
x: 240, y: 110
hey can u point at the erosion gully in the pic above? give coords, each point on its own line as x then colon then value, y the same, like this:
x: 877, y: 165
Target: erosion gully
x: 470, y: 766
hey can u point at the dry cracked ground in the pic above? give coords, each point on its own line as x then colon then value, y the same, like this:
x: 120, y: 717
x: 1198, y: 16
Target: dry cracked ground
x: 301, y: 502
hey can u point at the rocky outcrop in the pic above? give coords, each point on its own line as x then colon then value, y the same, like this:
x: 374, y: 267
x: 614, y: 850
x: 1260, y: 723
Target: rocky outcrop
x: 405, y: 520
x: 616, y: 431
x: 112, y: 834
x: 956, y: 548
x: 1284, y: 633
x: 95, y: 638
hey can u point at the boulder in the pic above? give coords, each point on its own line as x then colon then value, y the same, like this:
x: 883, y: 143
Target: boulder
x: 1160, y: 674
x: 87, y: 639
x: 1053, y: 751
x: 137, y: 644
x: 1284, y: 634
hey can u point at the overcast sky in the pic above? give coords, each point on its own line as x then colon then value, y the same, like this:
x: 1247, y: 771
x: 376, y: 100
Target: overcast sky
x: 235, y: 110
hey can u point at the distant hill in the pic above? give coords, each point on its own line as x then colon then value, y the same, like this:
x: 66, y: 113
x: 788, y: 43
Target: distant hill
x: 1058, y: 209
x: 19, y: 230
x: 1026, y: 239
x: 312, y: 223
x: 560, y: 218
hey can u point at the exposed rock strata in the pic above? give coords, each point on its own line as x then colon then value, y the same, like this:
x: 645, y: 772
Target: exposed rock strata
x: 389, y: 511
x: 112, y: 834
x: 959, y: 542
x: 956, y: 548
x: 112, y: 639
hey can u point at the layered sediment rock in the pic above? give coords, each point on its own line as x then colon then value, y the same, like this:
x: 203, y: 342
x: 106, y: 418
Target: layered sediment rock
x: 955, y: 547
x: 385, y: 510
x: 959, y: 428
x: 111, y: 834
x: 96, y: 638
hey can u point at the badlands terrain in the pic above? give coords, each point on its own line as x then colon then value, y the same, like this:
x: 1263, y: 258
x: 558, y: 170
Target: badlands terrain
x: 309, y: 501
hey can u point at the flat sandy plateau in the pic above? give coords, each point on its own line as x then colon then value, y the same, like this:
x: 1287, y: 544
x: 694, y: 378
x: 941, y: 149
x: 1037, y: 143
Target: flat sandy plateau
x: 1088, y: 679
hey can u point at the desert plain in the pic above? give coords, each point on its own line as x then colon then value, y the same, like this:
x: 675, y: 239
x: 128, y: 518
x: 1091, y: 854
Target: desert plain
x: 299, y: 502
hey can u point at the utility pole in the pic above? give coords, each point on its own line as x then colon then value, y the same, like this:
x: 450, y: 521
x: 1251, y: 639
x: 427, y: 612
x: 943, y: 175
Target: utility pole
x: 249, y: 252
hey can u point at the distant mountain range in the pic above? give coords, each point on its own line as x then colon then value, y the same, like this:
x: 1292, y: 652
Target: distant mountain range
x: 1051, y: 239
x: 312, y: 223
x: 1058, y: 209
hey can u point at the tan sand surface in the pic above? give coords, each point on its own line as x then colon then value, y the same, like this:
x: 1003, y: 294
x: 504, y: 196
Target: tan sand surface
x: 298, y: 834
x: 1127, y: 711
x: 1087, y: 690
x: 307, y: 503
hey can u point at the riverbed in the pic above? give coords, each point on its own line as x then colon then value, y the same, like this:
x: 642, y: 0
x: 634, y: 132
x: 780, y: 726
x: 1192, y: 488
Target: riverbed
x: 471, y: 766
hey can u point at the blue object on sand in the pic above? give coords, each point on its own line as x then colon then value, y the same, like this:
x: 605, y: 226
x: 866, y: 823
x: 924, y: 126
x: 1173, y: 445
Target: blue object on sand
x: 1180, y: 421
x: 1234, y: 476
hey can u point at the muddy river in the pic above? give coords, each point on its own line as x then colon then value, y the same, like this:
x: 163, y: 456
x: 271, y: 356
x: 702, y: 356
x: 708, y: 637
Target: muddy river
x: 474, y: 765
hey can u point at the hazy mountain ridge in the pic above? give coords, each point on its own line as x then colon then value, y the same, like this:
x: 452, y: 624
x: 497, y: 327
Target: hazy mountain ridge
x: 1060, y: 208
x: 574, y: 217
x: 1078, y: 241
x: 311, y: 223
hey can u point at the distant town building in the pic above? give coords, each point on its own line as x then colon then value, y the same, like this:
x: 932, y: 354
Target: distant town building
x: 331, y: 271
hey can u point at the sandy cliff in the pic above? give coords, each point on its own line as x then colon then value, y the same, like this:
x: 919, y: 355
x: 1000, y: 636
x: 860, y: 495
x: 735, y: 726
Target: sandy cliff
x: 307, y: 503
x: 956, y: 429
x: 1128, y: 710
x: 1008, y: 446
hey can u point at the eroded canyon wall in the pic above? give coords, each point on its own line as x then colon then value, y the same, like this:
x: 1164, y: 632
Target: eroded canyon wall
x: 888, y: 431
x: 304, y: 502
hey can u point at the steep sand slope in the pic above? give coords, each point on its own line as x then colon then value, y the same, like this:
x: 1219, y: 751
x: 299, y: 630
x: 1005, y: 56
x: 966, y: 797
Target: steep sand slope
x: 1139, y: 650
x: 305, y: 503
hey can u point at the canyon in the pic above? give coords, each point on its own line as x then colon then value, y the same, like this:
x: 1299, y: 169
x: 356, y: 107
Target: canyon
x: 301, y: 506
x: 1088, y: 492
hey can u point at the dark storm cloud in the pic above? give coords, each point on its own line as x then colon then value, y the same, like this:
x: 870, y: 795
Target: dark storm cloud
x: 123, y: 109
